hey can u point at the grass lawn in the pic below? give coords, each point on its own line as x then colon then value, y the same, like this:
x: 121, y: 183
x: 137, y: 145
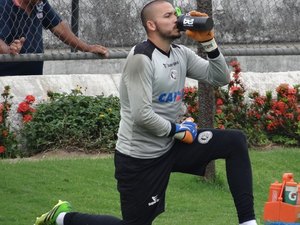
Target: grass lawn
x: 30, y: 187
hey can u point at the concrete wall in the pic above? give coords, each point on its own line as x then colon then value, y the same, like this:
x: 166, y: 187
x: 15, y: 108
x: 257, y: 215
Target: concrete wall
x: 259, y: 64
x: 107, y: 84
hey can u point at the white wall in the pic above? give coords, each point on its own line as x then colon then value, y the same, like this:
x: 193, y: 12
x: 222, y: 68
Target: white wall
x: 107, y: 84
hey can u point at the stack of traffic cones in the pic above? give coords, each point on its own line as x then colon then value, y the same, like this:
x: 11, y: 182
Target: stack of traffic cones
x: 283, y: 205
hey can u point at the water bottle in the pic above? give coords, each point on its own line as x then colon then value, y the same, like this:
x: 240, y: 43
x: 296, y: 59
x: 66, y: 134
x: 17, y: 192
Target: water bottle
x: 290, y: 189
x: 186, y: 22
x: 291, y: 193
x: 298, y: 197
x: 275, y: 190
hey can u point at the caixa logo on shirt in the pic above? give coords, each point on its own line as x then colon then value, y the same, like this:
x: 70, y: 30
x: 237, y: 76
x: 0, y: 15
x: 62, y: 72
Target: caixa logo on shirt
x: 171, y: 96
x: 40, y: 9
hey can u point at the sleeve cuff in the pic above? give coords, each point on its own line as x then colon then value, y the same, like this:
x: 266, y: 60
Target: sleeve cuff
x: 213, y: 54
x: 173, y: 129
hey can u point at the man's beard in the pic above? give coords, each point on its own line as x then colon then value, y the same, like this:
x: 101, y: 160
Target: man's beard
x: 168, y: 36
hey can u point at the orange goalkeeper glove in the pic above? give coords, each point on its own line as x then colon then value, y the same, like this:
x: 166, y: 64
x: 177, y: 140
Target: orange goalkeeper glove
x: 206, y: 38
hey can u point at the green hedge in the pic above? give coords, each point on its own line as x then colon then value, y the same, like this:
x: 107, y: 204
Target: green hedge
x: 86, y: 122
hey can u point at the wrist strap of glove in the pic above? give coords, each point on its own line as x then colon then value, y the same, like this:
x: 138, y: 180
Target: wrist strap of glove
x: 209, y: 46
x: 173, y: 130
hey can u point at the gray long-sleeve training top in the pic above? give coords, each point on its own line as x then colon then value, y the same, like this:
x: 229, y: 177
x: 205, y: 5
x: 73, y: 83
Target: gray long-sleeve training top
x: 151, y: 93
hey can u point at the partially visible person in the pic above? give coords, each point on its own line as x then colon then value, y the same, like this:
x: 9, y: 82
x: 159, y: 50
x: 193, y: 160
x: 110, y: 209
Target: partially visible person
x: 21, y: 26
x: 152, y: 144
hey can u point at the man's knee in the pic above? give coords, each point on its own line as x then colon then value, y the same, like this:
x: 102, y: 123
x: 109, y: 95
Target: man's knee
x: 239, y: 139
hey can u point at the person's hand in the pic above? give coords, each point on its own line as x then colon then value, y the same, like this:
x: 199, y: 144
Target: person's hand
x: 98, y: 49
x: 16, y: 46
x: 206, y: 38
x: 201, y: 36
x: 186, y: 131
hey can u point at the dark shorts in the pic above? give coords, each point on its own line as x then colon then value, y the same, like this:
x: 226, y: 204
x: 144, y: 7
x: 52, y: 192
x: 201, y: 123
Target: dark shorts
x: 142, y: 183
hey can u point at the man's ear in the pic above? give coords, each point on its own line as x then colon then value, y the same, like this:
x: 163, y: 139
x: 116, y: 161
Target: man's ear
x: 151, y: 25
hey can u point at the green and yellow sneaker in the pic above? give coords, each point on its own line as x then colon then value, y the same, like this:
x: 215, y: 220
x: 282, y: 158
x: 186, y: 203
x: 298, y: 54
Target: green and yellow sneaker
x: 49, y: 218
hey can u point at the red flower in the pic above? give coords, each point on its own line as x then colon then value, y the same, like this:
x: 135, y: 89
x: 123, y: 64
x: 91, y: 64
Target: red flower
x: 192, y: 109
x: 2, y: 149
x: 221, y: 126
x: 23, y: 107
x: 292, y: 99
x: 30, y: 99
x: 190, y: 90
x: 234, y: 63
x: 219, y: 111
x: 279, y: 106
x: 219, y: 101
x: 257, y: 115
x: 292, y: 91
x: 282, y: 88
x: 27, y: 118
x: 4, y: 133
x: 259, y: 101
x: 272, y: 126
x: 234, y: 89
x: 289, y: 116
x: 1, y: 107
x: 237, y: 69
x: 236, y: 76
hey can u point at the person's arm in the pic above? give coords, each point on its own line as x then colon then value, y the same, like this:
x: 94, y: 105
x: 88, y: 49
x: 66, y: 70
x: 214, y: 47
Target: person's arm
x: 137, y: 80
x: 65, y: 34
x: 214, y: 70
x: 14, y: 48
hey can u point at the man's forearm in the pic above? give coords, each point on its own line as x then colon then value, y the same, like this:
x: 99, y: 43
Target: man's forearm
x: 65, y: 34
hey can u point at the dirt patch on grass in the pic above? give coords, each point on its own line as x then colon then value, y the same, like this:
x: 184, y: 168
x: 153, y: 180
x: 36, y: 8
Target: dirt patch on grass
x: 57, y: 154
x: 69, y: 154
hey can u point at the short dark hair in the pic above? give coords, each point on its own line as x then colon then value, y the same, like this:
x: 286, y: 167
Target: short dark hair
x: 145, y: 13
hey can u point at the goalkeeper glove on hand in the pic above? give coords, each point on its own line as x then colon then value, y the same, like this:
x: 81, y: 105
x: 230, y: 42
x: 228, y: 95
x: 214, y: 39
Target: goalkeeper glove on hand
x: 206, y: 38
x: 186, y: 131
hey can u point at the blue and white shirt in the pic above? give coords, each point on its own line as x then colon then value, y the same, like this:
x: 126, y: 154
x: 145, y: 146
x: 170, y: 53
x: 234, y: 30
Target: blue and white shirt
x: 16, y: 23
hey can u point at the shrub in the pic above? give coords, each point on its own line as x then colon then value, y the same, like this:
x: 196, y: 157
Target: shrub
x: 191, y: 101
x: 232, y: 110
x: 279, y: 117
x: 230, y: 106
x: 8, y: 142
x: 85, y: 122
x: 263, y: 118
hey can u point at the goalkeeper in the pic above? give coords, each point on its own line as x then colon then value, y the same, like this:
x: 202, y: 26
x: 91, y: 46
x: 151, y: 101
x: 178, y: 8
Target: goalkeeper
x: 151, y: 143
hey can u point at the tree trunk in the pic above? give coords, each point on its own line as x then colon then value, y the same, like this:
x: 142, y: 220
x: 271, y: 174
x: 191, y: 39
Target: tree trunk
x: 206, y: 95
